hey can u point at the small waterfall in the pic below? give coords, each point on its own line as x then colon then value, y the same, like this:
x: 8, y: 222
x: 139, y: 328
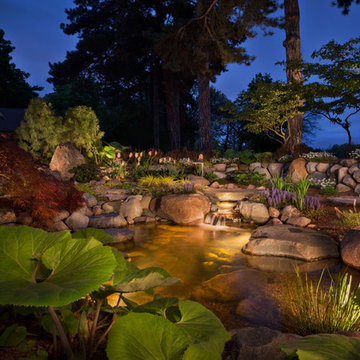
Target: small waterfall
x: 215, y: 219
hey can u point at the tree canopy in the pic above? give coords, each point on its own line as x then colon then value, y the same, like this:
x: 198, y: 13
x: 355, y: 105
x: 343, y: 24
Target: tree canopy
x: 337, y: 95
x: 15, y: 91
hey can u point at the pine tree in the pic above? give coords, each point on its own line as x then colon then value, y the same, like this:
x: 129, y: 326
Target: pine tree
x: 14, y: 90
x: 211, y: 39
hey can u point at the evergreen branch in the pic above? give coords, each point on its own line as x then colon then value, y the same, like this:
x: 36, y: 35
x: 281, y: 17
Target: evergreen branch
x: 204, y: 15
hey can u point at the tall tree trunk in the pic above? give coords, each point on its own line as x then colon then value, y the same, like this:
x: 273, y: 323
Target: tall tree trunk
x: 156, y: 105
x: 293, y: 57
x: 349, y: 140
x: 172, y: 95
x: 204, y: 114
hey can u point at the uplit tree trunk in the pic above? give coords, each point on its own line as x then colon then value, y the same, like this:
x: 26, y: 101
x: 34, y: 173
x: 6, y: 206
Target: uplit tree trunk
x: 156, y: 105
x: 172, y: 95
x: 204, y: 114
x: 293, y: 74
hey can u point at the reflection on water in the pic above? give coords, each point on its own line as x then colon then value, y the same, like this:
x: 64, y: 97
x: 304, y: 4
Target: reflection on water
x: 241, y: 289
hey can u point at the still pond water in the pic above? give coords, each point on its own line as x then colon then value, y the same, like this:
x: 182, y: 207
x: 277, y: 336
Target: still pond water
x: 241, y: 290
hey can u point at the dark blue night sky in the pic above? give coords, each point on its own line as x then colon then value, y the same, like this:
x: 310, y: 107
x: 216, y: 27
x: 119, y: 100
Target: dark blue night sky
x: 33, y: 27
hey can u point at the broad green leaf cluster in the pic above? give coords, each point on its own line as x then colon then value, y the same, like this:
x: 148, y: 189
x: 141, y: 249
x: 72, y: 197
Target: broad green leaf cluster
x: 193, y: 333
x: 323, y: 347
x: 52, y: 270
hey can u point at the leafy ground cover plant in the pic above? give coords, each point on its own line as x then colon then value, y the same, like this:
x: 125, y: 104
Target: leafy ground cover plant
x: 328, y: 190
x: 53, y: 270
x: 320, y: 156
x: 32, y: 190
x: 311, y: 308
x: 210, y: 176
x: 250, y: 178
x: 86, y: 172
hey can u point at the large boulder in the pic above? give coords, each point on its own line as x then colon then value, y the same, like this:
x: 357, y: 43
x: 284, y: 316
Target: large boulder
x: 199, y: 181
x: 311, y: 167
x: 275, y: 169
x: 254, y: 211
x: 291, y: 242
x: 65, y: 158
x: 219, y: 167
x: 350, y: 249
x: 322, y: 167
x: 131, y: 208
x: 349, y: 181
x: 260, y: 343
x: 289, y: 211
x: 182, y: 209
x: 297, y: 170
x: 106, y: 221
x: 112, y: 206
x: 342, y: 172
x: 264, y: 172
x: 77, y: 221
x: 90, y: 200
x: 317, y: 175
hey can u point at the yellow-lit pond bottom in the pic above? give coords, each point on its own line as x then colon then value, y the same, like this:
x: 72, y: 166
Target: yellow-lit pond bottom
x: 240, y: 289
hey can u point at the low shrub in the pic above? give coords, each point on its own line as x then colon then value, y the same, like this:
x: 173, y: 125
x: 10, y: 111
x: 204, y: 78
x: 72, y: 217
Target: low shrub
x: 250, y: 178
x: 311, y: 308
x: 210, y: 177
x: 86, y: 172
x: 348, y: 219
x: 328, y: 190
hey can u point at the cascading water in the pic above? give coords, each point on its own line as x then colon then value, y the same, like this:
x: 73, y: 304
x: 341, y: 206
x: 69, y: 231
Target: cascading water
x: 225, y: 211
x: 215, y: 219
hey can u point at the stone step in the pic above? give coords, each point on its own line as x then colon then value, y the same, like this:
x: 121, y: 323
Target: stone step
x: 216, y: 195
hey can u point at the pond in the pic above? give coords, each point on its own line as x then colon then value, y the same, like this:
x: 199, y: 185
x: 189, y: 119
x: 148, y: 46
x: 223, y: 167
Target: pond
x: 241, y: 290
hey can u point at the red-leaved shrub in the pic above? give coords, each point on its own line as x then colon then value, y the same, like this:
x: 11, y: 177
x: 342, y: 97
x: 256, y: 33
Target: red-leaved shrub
x: 33, y: 190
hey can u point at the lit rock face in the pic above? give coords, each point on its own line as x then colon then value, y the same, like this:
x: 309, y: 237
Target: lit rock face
x: 77, y: 221
x: 106, y: 221
x: 182, y: 209
x: 7, y: 216
x: 254, y: 211
x: 65, y: 158
x: 291, y: 242
x: 350, y: 249
x: 297, y: 170
x: 131, y: 208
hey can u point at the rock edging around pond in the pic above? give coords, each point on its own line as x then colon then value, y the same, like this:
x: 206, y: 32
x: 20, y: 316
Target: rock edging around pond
x: 291, y: 242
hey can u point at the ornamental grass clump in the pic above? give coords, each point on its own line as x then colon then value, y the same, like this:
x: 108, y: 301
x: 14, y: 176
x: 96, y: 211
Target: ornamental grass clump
x: 348, y: 219
x: 310, y: 308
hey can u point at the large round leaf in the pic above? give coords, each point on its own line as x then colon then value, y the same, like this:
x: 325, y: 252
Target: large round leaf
x: 141, y: 336
x: 203, y: 328
x: 41, y: 269
x: 323, y: 347
x: 97, y: 234
x: 134, y: 279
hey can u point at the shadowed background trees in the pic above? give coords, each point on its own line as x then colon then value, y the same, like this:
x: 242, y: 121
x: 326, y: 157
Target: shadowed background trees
x: 136, y: 64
